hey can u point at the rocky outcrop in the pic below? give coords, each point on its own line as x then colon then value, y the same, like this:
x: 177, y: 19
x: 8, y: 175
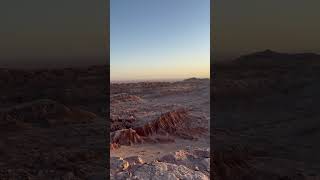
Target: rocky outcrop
x: 169, y: 122
x: 114, y: 146
x: 125, y: 137
x: 118, y: 164
x: 121, y: 122
x: 166, y: 171
x: 133, y: 160
x: 197, y: 160
x: 69, y: 86
x: 44, y: 112
x: 173, y: 122
x: 178, y: 166
x: 46, y: 124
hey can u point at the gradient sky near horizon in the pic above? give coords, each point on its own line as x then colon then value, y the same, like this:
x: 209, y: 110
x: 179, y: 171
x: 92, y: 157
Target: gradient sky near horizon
x: 159, y: 39
x: 246, y: 26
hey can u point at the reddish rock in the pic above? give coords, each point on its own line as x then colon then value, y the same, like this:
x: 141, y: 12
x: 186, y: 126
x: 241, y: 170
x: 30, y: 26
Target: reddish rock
x: 168, y: 122
x: 125, y: 137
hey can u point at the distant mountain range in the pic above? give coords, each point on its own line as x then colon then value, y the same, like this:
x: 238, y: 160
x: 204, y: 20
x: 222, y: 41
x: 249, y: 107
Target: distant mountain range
x: 272, y: 57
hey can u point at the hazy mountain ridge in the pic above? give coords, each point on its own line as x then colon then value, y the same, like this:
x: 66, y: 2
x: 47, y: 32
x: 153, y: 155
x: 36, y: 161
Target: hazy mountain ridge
x: 269, y: 57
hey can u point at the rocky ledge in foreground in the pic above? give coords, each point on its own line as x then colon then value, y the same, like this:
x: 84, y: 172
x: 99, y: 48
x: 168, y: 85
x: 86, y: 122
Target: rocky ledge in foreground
x: 181, y: 164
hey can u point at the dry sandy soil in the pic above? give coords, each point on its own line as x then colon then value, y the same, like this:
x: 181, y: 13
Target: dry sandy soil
x: 152, y: 120
x: 266, y: 117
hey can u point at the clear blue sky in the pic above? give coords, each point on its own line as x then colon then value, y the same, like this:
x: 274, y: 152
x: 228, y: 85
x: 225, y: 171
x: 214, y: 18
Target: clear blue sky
x: 159, y: 39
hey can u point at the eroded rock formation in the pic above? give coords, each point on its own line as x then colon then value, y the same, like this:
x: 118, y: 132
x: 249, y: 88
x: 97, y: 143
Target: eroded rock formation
x: 44, y: 112
x: 170, y: 123
x: 125, y: 137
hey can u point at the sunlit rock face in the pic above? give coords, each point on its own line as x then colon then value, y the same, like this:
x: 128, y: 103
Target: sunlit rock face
x: 177, y: 165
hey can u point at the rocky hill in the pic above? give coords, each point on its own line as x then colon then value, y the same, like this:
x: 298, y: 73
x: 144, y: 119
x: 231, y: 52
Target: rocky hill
x: 53, y: 123
x: 265, y: 115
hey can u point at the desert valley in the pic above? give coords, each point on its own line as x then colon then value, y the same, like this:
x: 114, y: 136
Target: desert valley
x: 160, y: 130
x: 265, y: 117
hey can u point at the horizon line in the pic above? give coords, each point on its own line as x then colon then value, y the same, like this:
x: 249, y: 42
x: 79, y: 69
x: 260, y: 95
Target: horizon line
x: 156, y: 80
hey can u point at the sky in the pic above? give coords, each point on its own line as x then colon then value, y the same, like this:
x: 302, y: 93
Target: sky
x: 45, y: 33
x: 159, y: 39
x: 246, y: 26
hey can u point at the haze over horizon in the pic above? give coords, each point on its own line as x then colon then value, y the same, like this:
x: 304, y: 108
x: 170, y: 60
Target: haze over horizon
x: 160, y: 39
